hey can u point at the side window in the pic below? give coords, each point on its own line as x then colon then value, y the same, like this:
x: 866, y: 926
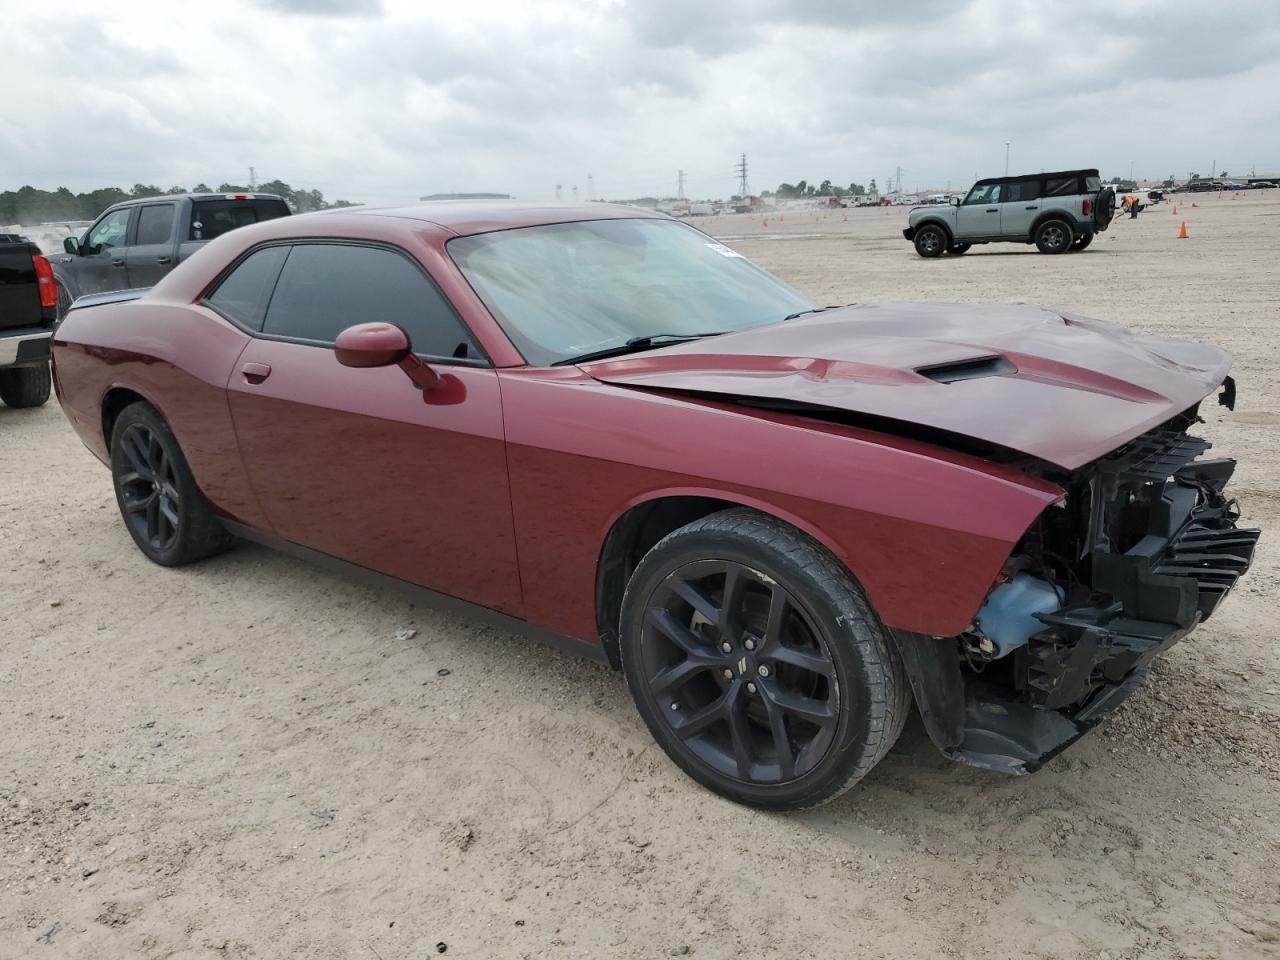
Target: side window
x: 983, y: 193
x: 213, y: 218
x: 243, y: 293
x: 325, y: 288
x: 155, y: 224
x: 1020, y: 190
x: 109, y: 231
x: 1061, y: 186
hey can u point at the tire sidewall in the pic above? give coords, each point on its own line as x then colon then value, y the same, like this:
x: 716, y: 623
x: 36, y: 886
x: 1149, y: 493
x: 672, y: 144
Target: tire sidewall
x: 943, y: 240
x: 1044, y: 228
x: 189, y: 497
x: 830, y: 610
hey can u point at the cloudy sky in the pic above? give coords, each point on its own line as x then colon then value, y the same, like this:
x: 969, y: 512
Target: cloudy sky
x: 384, y: 101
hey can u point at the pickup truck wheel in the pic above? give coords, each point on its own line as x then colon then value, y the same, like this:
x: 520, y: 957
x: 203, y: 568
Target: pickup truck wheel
x: 758, y: 664
x: 1081, y: 242
x: 164, y: 511
x: 958, y: 248
x: 1054, y: 236
x: 25, y: 386
x: 931, y: 240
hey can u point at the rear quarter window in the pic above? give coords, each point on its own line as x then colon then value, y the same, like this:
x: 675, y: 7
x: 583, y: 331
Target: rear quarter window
x: 242, y: 295
x: 1062, y: 186
x: 213, y: 218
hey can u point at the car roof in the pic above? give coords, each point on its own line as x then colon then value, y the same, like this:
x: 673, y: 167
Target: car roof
x: 160, y: 198
x: 1038, y: 176
x: 466, y: 217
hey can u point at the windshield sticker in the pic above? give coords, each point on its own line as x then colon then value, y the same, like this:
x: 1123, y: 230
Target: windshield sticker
x: 724, y: 251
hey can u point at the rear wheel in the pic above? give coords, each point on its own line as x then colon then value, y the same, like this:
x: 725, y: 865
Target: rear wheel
x: 1054, y: 236
x: 1081, y: 242
x: 25, y: 386
x: 958, y: 248
x: 931, y: 240
x: 164, y: 511
x: 758, y: 664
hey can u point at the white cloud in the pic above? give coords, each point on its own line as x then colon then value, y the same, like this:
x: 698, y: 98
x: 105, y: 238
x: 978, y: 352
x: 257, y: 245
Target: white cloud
x: 385, y: 101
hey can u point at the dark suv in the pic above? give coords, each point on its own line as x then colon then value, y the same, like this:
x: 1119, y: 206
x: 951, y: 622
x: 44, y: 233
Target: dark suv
x: 1055, y: 211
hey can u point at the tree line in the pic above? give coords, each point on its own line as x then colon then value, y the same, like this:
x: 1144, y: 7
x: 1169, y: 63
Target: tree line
x: 29, y: 205
x: 789, y: 191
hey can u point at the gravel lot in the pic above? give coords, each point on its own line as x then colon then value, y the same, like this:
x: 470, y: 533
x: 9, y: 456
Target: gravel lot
x: 249, y: 758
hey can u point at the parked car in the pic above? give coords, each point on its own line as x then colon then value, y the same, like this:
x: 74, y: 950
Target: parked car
x: 1057, y: 212
x: 27, y: 307
x: 597, y: 424
x: 1262, y: 185
x: 135, y: 243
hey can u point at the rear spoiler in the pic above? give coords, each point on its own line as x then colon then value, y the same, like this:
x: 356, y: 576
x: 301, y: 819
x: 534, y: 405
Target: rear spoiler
x: 115, y: 296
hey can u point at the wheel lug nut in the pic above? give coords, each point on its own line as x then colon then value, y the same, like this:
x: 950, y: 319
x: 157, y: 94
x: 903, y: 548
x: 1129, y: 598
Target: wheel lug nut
x: 762, y: 670
x: 751, y: 688
x: 728, y: 674
x: 727, y: 647
x: 749, y: 644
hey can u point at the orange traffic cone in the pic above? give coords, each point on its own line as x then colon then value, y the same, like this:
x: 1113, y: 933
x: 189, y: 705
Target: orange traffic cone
x: 1175, y: 211
x: 766, y: 222
x: 1182, y: 231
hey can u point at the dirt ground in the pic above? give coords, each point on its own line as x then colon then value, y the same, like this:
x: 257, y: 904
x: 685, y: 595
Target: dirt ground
x: 249, y: 758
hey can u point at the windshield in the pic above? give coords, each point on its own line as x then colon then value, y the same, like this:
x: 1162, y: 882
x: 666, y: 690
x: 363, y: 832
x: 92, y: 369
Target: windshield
x: 568, y: 289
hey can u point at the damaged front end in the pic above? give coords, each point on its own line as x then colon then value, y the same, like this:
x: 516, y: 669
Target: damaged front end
x: 1142, y: 548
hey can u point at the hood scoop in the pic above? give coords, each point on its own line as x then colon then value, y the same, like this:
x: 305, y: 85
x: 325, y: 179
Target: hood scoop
x: 975, y: 369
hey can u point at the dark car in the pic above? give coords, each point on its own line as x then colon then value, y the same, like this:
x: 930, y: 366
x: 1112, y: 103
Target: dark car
x: 133, y: 244
x: 27, y: 305
x: 598, y: 425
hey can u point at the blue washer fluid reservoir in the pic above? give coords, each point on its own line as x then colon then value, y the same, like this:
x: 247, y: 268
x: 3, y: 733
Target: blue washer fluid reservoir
x: 1008, y: 620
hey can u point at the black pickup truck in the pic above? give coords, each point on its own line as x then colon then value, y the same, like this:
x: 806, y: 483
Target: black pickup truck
x: 28, y: 302
x: 135, y: 243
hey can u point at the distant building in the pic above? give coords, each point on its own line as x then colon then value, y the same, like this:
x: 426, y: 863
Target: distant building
x: 467, y: 196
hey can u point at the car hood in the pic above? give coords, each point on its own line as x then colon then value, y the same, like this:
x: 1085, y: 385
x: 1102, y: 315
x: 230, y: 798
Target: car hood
x: 1052, y: 385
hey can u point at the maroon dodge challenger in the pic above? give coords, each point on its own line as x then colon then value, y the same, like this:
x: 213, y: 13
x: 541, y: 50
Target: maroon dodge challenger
x: 784, y: 523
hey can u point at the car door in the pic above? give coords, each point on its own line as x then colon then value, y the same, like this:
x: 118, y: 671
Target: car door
x: 99, y: 267
x: 1019, y: 207
x: 978, y: 215
x: 360, y: 463
x: 150, y: 256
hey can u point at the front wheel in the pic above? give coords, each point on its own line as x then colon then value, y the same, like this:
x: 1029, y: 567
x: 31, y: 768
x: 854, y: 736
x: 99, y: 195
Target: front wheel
x: 164, y: 511
x: 1054, y: 236
x: 931, y: 240
x: 25, y: 386
x: 1081, y: 242
x: 757, y: 663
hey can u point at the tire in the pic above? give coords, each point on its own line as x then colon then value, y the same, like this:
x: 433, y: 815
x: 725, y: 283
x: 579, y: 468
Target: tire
x: 784, y: 697
x: 1054, y: 236
x: 1104, y: 208
x: 25, y: 386
x: 64, y: 302
x: 956, y: 249
x: 931, y: 240
x: 162, y: 508
x: 1081, y: 242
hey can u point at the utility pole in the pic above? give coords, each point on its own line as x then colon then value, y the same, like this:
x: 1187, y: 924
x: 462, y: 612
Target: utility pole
x: 1006, y: 157
x: 1214, y: 171
x: 744, y: 189
x: 591, y: 187
x: 1131, y: 171
x: 557, y: 193
x: 897, y: 181
x: 253, y: 180
x: 575, y: 193
x: 680, y: 184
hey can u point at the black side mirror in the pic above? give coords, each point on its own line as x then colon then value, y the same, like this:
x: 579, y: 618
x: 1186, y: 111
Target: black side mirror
x: 954, y: 201
x: 71, y: 245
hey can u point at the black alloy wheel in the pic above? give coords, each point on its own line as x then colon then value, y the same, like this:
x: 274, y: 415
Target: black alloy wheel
x: 738, y: 667
x: 931, y: 240
x: 163, y: 509
x: 149, y: 498
x: 757, y: 663
x: 1054, y: 236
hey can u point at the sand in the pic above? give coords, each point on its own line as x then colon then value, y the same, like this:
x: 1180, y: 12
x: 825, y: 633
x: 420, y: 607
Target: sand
x: 248, y: 758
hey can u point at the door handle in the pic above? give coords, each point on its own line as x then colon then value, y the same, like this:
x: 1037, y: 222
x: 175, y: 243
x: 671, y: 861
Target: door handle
x: 117, y: 263
x: 1033, y: 208
x: 164, y: 260
x: 993, y: 209
x: 255, y: 372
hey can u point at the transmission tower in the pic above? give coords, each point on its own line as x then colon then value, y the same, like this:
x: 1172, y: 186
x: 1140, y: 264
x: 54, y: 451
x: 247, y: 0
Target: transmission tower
x: 575, y: 193
x: 744, y: 189
x: 680, y: 184
x: 253, y: 180
x: 557, y: 193
x: 591, y: 187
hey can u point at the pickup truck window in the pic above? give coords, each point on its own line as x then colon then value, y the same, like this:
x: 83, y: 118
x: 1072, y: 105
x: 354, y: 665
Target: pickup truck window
x: 213, y: 218
x: 243, y: 293
x: 326, y: 287
x: 155, y: 224
x: 110, y: 231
